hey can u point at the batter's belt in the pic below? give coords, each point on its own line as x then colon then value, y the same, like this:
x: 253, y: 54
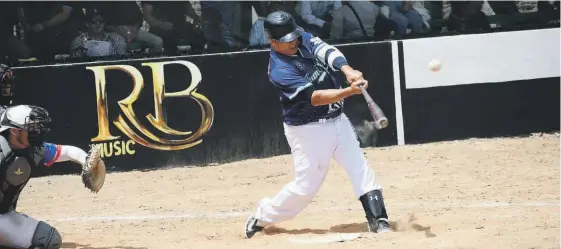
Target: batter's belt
x: 318, y: 119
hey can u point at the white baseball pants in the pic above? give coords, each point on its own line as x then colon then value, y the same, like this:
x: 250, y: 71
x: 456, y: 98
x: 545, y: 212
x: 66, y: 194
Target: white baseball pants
x: 313, y: 145
x: 17, y: 230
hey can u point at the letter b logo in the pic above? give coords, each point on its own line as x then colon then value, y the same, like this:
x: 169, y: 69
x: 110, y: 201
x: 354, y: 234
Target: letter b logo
x: 185, y: 139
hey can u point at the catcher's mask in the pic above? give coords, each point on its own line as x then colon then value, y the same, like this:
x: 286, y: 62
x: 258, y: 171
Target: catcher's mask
x: 33, y: 119
x: 6, y: 81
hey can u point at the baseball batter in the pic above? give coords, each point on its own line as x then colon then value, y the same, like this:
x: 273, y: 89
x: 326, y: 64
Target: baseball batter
x: 302, y: 68
x: 22, y: 149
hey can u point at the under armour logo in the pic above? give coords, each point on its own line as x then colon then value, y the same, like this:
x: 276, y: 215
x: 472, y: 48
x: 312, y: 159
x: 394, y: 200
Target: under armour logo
x: 18, y: 172
x: 373, y: 197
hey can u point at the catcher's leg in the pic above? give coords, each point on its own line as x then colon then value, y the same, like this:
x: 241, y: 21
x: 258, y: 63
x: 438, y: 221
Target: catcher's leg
x: 19, y: 231
x: 46, y: 237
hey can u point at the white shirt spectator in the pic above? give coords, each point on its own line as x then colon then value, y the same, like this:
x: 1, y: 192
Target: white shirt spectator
x: 345, y: 24
x: 419, y: 6
x: 312, y: 11
x: 109, y: 44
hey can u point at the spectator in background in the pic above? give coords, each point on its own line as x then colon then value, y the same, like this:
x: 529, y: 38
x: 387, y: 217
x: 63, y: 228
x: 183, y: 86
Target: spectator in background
x: 317, y: 15
x: 125, y: 18
x: 419, y: 6
x: 384, y: 28
x: 258, y: 36
x: 51, y: 27
x: 261, y: 7
x: 10, y: 46
x: 405, y: 16
x: 504, y: 7
x: 466, y: 16
x: 347, y: 25
x: 96, y: 41
x: 549, y: 9
x: 168, y: 21
x: 218, y: 23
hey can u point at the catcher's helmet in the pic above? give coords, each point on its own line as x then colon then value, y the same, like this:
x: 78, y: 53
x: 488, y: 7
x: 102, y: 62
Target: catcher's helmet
x: 282, y: 27
x: 33, y: 119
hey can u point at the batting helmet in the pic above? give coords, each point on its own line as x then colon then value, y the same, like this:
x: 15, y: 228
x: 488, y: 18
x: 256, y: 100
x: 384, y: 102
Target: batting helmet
x: 282, y: 27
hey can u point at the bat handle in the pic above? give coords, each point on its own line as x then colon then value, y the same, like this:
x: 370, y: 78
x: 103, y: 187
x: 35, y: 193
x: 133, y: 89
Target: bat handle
x: 362, y: 89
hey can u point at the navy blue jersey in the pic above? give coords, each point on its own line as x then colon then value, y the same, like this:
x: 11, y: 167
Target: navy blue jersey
x: 297, y: 76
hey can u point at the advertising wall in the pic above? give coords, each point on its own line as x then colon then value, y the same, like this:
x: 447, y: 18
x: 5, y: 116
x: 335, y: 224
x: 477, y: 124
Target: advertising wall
x: 194, y: 110
x: 209, y: 109
x: 497, y: 84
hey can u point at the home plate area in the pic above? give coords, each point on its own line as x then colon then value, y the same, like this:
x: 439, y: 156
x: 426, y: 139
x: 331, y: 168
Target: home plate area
x: 477, y: 193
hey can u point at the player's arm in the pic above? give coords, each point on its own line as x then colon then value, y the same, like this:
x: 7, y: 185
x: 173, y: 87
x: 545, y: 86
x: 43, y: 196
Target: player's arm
x: 93, y: 167
x: 59, y: 18
x: 54, y: 153
x: 332, y: 57
x: 292, y: 85
x: 324, y: 52
x: 328, y: 96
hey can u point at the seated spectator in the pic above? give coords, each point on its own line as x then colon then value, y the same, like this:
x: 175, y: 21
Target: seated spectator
x: 96, y: 42
x: 258, y: 36
x: 504, y: 7
x: 168, y: 21
x: 317, y: 16
x: 466, y: 16
x: 51, y: 27
x: 125, y: 18
x: 347, y: 24
x: 218, y: 24
x: 405, y: 16
x: 384, y: 28
x: 549, y: 9
x: 10, y: 46
x: 419, y: 6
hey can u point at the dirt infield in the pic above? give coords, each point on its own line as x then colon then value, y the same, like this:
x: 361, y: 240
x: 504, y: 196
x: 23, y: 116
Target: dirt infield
x: 495, y: 193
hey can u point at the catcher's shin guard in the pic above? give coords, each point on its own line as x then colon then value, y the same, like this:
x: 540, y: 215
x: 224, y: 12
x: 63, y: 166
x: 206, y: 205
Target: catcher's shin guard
x: 373, y: 204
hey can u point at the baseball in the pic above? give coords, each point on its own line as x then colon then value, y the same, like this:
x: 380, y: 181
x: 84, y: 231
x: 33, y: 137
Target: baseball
x: 434, y: 65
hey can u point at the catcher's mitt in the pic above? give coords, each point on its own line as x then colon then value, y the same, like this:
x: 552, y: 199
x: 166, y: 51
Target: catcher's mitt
x: 93, y: 171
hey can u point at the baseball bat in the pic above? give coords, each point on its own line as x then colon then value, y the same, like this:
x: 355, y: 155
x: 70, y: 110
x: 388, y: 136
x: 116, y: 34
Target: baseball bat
x: 380, y: 120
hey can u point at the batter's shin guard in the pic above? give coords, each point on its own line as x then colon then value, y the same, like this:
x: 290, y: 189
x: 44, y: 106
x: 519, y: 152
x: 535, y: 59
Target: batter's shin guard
x: 375, y: 210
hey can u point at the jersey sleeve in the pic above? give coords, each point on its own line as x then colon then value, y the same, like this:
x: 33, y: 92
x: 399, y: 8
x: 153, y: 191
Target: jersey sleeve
x: 289, y: 82
x: 324, y: 52
x: 50, y: 154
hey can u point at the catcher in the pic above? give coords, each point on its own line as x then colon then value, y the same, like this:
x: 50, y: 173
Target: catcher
x: 23, y: 129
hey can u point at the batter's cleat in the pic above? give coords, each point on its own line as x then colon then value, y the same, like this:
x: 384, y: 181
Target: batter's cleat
x: 251, y: 227
x: 375, y: 210
x: 379, y: 226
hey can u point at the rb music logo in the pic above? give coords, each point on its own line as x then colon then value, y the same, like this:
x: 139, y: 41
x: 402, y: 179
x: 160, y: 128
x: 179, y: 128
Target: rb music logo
x: 185, y: 139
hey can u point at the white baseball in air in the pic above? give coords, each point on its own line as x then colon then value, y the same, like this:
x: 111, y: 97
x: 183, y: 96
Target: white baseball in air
x: 435, y: 65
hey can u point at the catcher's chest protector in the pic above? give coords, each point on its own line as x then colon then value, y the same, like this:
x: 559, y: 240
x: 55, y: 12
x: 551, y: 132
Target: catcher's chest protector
x: 14, y: 175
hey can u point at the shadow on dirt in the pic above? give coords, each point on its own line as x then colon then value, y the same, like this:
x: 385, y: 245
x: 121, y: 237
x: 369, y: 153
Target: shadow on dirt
x: 80, y: 246
x: 397, y: 226
x: 343, y: 228
x: 278, y: 230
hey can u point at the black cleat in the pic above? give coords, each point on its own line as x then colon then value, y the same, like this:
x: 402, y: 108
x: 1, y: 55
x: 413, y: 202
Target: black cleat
x: 251, y: 227
x: 379, y: 226
x: 375, y: 210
